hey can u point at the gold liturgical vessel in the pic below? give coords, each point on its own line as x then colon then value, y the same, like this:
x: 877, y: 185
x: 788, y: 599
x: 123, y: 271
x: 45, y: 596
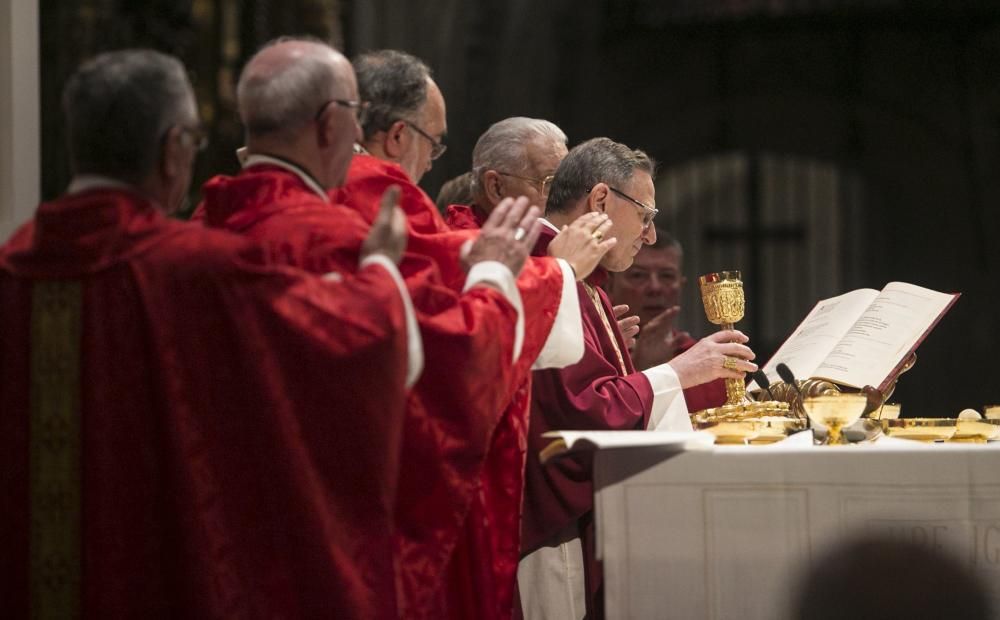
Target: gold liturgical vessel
x: 740, y: 420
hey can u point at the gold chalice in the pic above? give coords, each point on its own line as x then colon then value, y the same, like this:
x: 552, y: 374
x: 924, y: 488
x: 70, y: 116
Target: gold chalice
x: 835, y: 411
x: 722, y: 296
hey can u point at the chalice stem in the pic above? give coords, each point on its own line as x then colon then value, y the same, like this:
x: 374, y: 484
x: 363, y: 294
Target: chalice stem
x: 735, y: 388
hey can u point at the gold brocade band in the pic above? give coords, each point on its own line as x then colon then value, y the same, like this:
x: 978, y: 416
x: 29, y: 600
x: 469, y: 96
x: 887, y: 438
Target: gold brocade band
x: 596, y: 299
x: 55, y: 450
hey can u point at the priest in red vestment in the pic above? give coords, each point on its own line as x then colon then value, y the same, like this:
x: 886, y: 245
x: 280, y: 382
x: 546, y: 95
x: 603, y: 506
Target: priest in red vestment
x: 476, y: 338
x: 403, y: 132
x: 603, y: 391
x: 189, y: 432
x: 519, y: 156
x: 652, y: 288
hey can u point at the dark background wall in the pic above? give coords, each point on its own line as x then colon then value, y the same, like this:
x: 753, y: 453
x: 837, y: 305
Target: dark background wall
x: 902, y: 98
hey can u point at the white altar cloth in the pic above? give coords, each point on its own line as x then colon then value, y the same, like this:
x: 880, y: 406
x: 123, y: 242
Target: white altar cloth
x: 726, y: 532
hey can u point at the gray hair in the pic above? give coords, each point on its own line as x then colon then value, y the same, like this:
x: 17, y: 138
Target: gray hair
x: 118, y: 106
x: 595, y: 161
x: 394, y: 84
x: 288, y: 98
x: 504, y: 146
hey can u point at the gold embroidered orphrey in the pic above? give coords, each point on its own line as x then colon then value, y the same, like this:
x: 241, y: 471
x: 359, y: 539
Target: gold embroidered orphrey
x: 54, y: 570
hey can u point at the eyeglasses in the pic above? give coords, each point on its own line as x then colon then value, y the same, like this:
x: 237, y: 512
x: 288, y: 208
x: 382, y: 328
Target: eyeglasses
x: 360, y: 108
x: 437, y: 149
x: 648, y: 213
x: 545, y: 182
x: 199, y: 137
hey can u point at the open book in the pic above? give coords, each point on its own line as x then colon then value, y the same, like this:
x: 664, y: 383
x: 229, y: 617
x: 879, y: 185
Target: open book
x: 863, y: 337
x: 575, y: 441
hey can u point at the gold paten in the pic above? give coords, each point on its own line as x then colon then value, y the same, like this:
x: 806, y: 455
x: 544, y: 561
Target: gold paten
x: 921, y: 429
x: 976, y: 431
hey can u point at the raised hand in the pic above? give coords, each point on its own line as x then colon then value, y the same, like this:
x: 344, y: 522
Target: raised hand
x: 628, y: 325
x: 388, y: 232
x: 508, y: 236
x: 659, y: 340
x: 707, y: 359
x: 582, y: 243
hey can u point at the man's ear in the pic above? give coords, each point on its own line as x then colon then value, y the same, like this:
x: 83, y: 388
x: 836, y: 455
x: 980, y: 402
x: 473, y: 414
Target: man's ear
x: 493, y: 186
x: 172, y: 160
x: 597, y: 198
x: 324, y: 129
x: 396, y: 140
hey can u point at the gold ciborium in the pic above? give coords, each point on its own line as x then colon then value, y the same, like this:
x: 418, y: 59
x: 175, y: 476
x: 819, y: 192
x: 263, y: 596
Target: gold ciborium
x: 722, y: 296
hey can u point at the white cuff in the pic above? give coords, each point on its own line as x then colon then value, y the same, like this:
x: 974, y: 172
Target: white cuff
x: 669, y: 411
x: 415, y: 346
x: 564, y: 345
x: 498, y: 274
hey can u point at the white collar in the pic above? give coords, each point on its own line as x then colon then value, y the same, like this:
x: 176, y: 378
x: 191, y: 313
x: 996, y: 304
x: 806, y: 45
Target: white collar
x: 257, y: 159
x: 549, y: 224
x: 85, y: 182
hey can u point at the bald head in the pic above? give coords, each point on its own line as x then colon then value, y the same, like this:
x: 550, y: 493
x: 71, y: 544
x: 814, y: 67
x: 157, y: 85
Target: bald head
x: 298, y: 100
x: 284, y: 86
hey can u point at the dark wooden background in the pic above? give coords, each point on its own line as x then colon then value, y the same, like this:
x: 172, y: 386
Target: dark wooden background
x: 902, y: 96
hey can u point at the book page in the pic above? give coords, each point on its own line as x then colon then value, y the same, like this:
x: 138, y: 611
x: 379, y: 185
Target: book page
x: 818, y: 334
x: 884, y: 334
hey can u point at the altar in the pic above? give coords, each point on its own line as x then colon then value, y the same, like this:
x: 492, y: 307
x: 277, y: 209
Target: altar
x: 727, y: 531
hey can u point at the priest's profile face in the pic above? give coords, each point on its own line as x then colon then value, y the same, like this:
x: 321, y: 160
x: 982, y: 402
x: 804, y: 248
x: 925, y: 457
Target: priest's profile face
x: 630, y: 208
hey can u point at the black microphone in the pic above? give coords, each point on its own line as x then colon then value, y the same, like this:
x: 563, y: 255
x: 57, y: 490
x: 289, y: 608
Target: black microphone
x: 761, y: 378
x: 788, y: 377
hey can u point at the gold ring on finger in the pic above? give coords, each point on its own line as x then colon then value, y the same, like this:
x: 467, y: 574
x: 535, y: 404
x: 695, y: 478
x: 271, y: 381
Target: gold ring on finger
x: 729, y: 363
x: 597, y: 235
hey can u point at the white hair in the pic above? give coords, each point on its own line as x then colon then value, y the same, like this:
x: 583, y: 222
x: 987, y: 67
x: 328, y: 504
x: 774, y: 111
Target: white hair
x: 504, y: 146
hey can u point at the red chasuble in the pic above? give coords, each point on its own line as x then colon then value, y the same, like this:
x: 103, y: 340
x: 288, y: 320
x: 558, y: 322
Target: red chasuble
x: 455, y: 407
x: 601, y: 392
x: 482, y: 573
x: 462, y: 217
x: 224, y: 435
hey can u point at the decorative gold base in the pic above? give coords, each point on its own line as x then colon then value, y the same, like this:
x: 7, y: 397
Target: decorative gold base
x: 744, y: 410
x: 749, y: 422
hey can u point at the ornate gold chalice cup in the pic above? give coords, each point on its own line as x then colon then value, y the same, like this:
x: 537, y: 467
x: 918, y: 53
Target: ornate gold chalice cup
x: 835, y: 411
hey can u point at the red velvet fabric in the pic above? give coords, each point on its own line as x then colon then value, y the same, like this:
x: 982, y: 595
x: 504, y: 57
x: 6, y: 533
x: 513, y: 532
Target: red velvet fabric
x: 239, y: 448
x: 590, y: 395
x: 456, y: 406
x: 462, y: 217
x: 706, y: 395
x: 481, y: 576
